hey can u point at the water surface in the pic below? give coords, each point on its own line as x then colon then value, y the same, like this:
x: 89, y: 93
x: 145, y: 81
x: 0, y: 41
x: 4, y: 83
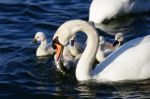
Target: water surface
x: 23, y: 75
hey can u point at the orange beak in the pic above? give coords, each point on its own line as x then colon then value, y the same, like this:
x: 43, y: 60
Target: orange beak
x: 59, y: 49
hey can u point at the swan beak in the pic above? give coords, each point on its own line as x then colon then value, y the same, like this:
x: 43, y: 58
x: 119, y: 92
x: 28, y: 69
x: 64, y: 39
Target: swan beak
x: 58, y: 48
x: 115, y: 43
x: 34, y: 41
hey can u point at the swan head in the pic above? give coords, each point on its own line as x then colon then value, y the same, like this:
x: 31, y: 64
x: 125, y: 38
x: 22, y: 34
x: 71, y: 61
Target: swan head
x: 39, y: 37
x: 119, y: 37
x: 62, y: 37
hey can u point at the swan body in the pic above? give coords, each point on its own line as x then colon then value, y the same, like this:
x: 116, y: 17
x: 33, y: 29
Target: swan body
x: 102, y: 9
x: 44, y: 48
x: 129, y: 62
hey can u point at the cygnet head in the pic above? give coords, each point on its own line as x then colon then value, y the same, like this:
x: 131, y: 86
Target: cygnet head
x: 39, y: 36
x: 119, y: 37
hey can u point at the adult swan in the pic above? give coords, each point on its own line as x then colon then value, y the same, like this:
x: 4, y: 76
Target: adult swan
x: 103, y: 9
x: 130, y: 62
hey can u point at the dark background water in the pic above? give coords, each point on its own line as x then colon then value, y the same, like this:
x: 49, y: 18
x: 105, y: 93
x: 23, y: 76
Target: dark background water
x: 23, y: 75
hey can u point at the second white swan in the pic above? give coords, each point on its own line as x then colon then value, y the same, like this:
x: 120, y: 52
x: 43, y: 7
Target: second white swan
x: 129, y: 62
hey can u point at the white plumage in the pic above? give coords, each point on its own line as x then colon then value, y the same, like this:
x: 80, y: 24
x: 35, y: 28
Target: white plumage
x: 106, y: 48
x: 44, y: 48
x: 103, y: 9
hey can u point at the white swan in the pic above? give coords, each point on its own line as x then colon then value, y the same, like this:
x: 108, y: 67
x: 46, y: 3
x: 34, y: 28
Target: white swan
x: 106, y: 49
x: 44, y: 48
x: 102, y: 9
x: 129, y: 62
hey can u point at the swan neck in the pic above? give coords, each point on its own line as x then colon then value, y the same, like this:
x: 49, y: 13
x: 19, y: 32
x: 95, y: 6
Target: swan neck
x: 84, y: 66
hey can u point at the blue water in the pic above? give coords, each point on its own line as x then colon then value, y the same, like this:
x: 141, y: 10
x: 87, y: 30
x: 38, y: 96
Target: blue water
x: 23, y: 75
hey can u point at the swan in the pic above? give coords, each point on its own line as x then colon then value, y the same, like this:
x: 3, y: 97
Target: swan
x: 101, y: 10
x: 44, y: 48
x: 129, y: 62
x: 106, y: 49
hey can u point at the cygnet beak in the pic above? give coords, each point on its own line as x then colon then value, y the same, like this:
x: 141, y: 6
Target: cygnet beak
x: 34, y: 41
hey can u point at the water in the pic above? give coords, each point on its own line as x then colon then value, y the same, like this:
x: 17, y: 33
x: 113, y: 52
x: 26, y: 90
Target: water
x: 23, y: 75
